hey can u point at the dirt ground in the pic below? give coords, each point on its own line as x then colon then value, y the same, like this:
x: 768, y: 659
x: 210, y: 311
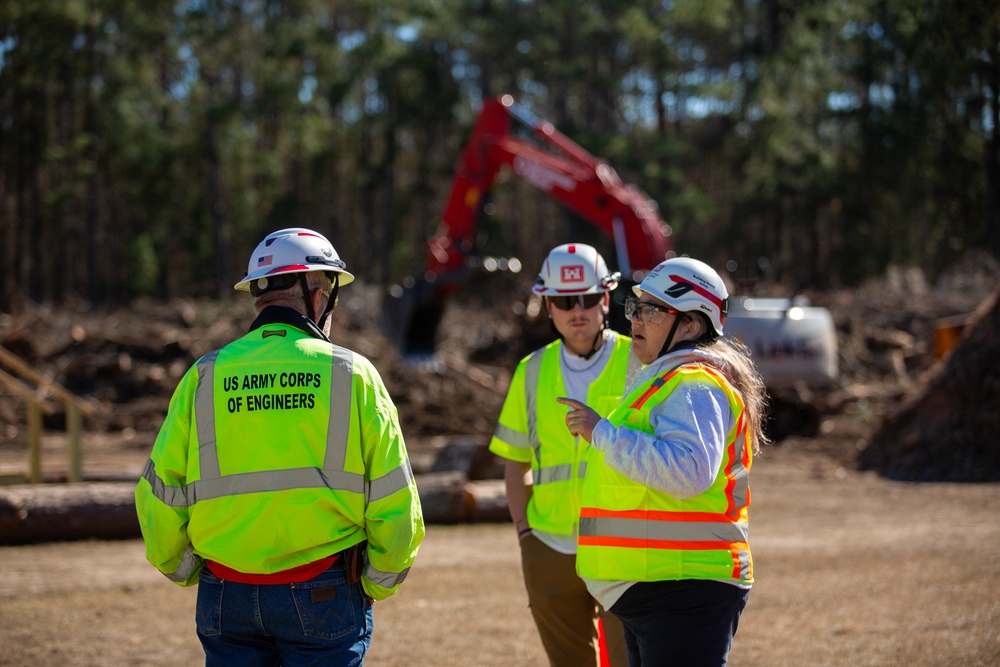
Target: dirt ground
x: 852, y: 569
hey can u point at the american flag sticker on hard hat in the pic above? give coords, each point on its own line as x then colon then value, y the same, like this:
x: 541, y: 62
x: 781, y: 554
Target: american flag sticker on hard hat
x: 264, y: 261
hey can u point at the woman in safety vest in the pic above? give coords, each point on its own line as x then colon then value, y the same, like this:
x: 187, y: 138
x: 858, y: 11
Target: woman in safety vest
x: 545, y: 464
x: 664, y: 515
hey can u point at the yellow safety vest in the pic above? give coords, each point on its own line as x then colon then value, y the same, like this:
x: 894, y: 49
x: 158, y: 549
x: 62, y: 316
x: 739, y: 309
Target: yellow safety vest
x: 629, y: 532
x: 532, y: 428
x: 278, y: 450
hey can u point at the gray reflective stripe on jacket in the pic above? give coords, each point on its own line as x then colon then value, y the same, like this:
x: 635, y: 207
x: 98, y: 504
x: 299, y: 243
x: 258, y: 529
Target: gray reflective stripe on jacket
x: 532, y: 371
x: 385, y: 579
x: 332, y: 476
x: 186, y: 568
x: 560, y: 473
x: 543, y: 474
x: 512, y: 437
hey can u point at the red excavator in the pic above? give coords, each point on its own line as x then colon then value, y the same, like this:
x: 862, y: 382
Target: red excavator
x: 549, y: 161
x: 794, y: 345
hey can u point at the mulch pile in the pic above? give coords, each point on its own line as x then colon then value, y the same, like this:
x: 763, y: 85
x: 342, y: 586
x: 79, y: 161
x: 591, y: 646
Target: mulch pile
x: 946, y: 428
x: 127, y: 364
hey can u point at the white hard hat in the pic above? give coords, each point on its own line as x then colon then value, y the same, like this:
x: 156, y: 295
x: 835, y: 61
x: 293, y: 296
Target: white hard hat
x: 294, y: 250
x: 688, y: 285
x: 574, y: 268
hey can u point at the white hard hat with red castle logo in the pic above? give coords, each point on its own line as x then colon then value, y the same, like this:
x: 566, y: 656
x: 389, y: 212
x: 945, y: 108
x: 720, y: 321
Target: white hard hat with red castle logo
x: 574, y: 268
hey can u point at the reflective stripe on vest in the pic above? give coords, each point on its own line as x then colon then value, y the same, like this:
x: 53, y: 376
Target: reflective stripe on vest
x: 661, y: 530
x: 186, y: 568
x: 212, y: 484
x: 532, y: 374
x: 541, y: 473
x: 683, y: 531
x: 532, y: 371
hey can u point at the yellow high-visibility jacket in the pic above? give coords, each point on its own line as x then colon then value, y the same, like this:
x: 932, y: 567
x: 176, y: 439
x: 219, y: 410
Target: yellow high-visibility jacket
x: 532, y: 428
x: 278, y: 450
x: 631, y: 532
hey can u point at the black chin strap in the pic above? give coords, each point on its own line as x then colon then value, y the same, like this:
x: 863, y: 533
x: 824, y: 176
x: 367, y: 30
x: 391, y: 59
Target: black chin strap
x: 670, y: 336
x: 307, y: 297
x: 598, y: 341
x: 331, y: 302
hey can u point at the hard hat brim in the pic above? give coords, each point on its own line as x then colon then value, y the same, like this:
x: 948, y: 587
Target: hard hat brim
x: 593, y: 289
x: 244, y: 285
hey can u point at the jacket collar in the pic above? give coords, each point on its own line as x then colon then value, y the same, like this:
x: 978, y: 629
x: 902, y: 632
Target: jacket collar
x: 680, y: 355
x: 285, y: 315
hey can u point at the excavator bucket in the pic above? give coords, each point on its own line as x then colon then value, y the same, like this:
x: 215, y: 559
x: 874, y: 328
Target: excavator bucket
x: 411, y: 314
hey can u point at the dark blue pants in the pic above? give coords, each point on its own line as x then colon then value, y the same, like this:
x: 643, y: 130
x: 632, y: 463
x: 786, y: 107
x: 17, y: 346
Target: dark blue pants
x: 686, y: 623
x: 324, y: 621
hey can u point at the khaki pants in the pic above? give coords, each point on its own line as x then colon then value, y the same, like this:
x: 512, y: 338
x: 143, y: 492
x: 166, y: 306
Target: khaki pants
x: 564, y: 612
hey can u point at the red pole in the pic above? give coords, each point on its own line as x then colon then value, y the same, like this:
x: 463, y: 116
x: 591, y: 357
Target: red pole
x: 605, y: 660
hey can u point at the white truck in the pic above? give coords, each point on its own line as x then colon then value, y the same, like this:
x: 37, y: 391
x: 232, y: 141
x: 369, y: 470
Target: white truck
x: 794, y: 346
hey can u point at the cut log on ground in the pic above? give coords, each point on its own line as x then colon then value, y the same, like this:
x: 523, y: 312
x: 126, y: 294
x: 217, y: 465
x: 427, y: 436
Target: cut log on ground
x: 444, y: 497
x: 489, y: 501
x: 55, y: 512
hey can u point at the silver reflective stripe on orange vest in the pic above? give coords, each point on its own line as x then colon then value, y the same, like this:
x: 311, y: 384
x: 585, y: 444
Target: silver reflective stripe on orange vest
x: 740, y: 476
x: 665, y: 529
x: 704, y: 528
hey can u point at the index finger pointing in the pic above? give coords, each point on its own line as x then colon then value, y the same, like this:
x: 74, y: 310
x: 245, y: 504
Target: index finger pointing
x: 576, y: 405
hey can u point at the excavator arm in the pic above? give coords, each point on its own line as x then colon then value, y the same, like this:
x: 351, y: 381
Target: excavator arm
x: 554, y: 164
x: 549, y: 161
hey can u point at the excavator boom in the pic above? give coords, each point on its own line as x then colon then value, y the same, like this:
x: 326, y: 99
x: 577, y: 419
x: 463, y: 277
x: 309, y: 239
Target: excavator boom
x: 552, y: 163
x: 794, y: 345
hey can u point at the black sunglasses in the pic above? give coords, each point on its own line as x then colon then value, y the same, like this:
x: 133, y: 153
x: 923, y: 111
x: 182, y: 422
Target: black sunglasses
x: 569, y: 302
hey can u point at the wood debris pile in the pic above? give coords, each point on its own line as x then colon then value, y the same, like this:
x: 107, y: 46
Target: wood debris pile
x: 130, y: 361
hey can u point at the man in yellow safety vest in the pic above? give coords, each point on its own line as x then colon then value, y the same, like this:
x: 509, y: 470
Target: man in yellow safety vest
x: 280, y: 477
x: 545, y: 464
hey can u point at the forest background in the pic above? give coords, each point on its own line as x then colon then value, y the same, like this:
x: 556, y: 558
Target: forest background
x: 146, y: 146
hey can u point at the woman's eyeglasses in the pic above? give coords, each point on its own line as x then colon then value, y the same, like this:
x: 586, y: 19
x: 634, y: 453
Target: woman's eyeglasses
x: 569, y: 302
x: 646, y: 312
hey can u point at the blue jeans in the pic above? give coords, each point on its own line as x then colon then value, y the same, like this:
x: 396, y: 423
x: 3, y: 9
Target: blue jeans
x: 688, y: 623
x: 323, y: 621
